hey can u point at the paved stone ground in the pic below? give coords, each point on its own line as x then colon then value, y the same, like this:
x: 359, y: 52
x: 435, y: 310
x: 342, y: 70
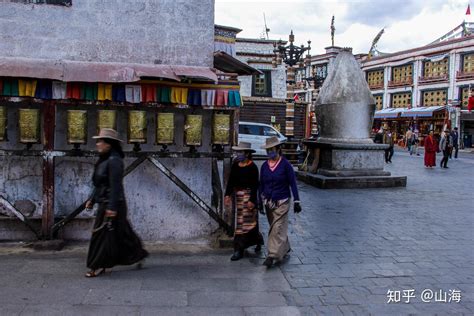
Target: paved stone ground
x: 349, y: 248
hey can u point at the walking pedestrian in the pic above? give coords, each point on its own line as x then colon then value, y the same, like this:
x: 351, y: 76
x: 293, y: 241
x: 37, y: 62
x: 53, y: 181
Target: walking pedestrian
x: 445, y: 146
x: 113, y: 241
x: 431, y: 147
x: 378, y: 139
x: 455, y: 139
x: 388, y: 140
x: 243, y: 185
x: 277, y: 177
x: 409, y: 140
x: 415, y: 143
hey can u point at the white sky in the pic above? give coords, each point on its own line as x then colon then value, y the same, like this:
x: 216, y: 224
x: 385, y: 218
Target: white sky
x: 408, y: 23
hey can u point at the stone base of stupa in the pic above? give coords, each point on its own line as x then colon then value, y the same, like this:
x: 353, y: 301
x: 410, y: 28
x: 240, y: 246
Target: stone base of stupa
x: 341, y: 165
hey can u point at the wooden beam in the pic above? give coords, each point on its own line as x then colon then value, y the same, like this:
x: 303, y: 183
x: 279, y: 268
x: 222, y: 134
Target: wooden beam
x: 170, y: 175
x: 55, y: 228
x: 49, y: 118
x: 19, y: 215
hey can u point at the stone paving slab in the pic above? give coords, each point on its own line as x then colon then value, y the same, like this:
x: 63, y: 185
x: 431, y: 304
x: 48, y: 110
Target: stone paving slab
x: 349, y: 248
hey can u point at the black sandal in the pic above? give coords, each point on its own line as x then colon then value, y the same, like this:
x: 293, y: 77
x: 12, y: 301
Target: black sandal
x: 93, y: 273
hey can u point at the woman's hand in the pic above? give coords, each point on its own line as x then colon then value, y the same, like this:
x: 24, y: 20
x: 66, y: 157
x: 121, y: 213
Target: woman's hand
x: 250, y: 205
x: 110, y: 213
x: 227, y: 200
x: 89, y: 204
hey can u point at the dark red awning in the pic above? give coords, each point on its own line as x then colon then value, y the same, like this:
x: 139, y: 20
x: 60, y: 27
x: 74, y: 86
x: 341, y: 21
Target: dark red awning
x: 81, y: 71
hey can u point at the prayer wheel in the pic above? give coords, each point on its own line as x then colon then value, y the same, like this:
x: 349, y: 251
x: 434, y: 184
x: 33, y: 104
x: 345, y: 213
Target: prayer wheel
x: 76, y: 127
x: 3, y: 122
x: 29, y: 126
x: 193, y: 130
x: 165, y: 128
x: 106, y: 119
x: 220, y: 129
x: 137, y: 127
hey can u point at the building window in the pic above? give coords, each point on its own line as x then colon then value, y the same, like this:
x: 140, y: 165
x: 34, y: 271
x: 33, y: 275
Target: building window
x: 468, y: 63
x: 465, y: 96
x: 434, y: 97
x: 375, y: 79
x: 401, y: 100
x: 402, y: 74
x: 262, y: 84
x: 434, y: 69
x: 66, y: 3
x: 378, y: 101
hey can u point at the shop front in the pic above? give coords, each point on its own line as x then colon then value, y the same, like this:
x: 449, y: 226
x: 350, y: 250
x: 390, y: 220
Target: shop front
x: 467, y: 129
x: 421, y: 119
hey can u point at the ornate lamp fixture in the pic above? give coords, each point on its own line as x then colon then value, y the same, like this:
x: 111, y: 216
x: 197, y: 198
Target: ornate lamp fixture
x: 291, y: 54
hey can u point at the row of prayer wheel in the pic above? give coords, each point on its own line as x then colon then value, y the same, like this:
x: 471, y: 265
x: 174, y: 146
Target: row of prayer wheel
x: 29, y: 126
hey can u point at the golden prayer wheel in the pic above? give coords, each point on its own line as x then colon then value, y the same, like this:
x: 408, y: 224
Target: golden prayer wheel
x: 220, y: 129
x: 3, y: 122
x: 165, y: 128
x: 193, y: 130
x: 76, y: 126
x: 137, y: 127
x: 106, y: 119
x: 29, y: 125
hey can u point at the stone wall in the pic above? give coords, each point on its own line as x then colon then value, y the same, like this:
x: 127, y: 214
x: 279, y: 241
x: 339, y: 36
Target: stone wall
x: 138, y: 31
x: 158, y: 209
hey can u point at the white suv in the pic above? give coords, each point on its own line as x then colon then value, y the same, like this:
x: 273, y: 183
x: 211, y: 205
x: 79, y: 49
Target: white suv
x: 256, y: 133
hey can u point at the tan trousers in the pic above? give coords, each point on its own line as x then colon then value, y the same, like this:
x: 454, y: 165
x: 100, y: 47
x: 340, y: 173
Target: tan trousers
x: 278, y: 244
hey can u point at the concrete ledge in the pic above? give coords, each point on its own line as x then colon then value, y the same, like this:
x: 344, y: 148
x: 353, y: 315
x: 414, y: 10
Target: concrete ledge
x: 366, y: 182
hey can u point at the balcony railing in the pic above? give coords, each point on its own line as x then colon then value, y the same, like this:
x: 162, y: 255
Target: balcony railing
x: 433, y: 79
x: 401, y: 83
x: 464, y: 75
x: 376, y: 86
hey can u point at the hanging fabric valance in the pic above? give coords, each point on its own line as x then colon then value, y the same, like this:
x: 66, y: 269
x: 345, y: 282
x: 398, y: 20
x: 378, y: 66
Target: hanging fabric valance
x: 131, y: 93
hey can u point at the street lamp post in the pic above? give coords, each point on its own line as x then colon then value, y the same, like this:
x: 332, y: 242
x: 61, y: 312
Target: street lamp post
x: 291, y: 55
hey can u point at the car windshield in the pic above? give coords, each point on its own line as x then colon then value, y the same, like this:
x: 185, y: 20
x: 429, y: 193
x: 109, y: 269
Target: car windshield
x: 250, y: 129
x: 268, y: 131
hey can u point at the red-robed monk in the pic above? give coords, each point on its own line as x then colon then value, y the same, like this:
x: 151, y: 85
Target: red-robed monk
x: 431, y: 147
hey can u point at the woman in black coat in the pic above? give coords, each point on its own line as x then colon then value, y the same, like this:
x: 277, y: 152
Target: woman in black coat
x: 113, y: 241
x: 243, y: 186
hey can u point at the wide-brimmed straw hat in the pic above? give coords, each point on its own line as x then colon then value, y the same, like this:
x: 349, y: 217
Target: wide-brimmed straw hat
x: 243, y: 146
x: 271, y: 142
x: 109, y: 133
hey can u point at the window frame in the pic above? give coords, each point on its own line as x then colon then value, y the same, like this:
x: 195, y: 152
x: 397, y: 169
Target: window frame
x: 268, y: 83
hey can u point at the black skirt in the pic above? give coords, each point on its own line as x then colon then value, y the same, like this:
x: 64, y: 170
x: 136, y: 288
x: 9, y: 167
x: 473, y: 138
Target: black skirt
x: 113, y: 241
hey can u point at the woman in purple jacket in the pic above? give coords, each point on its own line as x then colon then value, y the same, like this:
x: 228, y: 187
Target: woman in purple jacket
x: 277, y: 177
